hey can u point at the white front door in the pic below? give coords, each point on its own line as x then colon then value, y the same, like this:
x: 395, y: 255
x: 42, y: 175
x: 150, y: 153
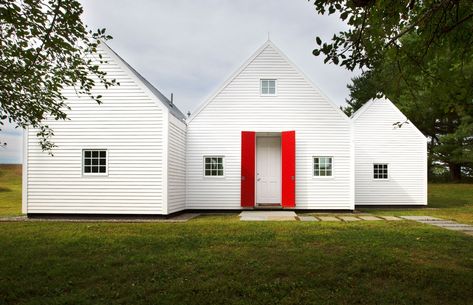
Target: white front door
x: 268, y: 170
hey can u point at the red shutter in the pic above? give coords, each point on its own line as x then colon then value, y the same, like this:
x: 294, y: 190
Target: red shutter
x: 248, y: 168
x: 288, y: 149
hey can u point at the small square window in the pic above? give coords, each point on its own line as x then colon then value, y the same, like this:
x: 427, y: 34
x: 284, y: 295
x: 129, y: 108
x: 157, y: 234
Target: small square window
x: 380, y: 171
x: 323, y: 166
x: 94, y: 161
x: 213, y: 166
x: 268, y: 87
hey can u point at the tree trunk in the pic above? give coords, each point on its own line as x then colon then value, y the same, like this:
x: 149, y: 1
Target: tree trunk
x: 455, y: 172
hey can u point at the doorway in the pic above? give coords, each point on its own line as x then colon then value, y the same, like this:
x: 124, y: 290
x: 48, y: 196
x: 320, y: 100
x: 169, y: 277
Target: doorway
x: 268, y: 170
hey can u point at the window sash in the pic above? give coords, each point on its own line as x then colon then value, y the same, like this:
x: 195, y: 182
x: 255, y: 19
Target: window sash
x: 380, y: 171
x: 213, y: 166
x: 323, y: 167
x: 268, y: 86
x: 94, y: 161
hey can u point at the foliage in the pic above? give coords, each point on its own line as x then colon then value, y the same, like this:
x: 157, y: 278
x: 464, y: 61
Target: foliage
x: 45, y: 47
x: 375, y: 27
x: 420, y: 55
x: 434, y: 90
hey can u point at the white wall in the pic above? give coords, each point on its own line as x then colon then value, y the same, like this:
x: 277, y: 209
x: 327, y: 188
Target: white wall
x: 129, y: 124
x: 404, y: 149
x: 176, y: 165
x: 321, y: 130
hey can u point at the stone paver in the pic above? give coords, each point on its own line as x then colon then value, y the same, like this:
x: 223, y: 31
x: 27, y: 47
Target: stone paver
x: 268, y: 216
x: 421, y: 218
x: 369, y: 217
x: 349, y: 218
x: 328, y: 218
x: 442, y: 223
x: 307, y: 218
x: 390, y: 218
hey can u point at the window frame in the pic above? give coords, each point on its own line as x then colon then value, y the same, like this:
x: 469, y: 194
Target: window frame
x: 387, y: 171
x: 83, y: 162
x: 275, y: 87
x: 331, y: 165
x: 211, y: 176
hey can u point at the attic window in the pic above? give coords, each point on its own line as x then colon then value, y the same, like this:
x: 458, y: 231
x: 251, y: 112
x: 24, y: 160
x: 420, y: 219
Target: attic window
x: 268, y: 87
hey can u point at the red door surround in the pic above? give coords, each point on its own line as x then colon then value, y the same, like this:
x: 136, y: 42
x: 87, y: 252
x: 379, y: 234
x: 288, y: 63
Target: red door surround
x: 288, y: 158
x: 288, y: 168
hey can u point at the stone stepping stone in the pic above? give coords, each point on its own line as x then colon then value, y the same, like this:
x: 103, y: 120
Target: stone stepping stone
x: 328, y: 218
x: 307, y: 218
x: 281, y: 218
x: 349, y: 218
x: 390, y: 218
x: 442, y: 223
x: 421, y: 218
x: 369, y: 217
x: 268, y: 216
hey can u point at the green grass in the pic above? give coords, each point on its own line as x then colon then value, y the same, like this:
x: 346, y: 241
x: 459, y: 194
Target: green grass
x: 220, y: 260
x: 449, y: 201
x: 10, y: 190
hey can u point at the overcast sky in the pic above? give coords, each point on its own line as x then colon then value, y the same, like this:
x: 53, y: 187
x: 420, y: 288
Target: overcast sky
x: 190, y: 47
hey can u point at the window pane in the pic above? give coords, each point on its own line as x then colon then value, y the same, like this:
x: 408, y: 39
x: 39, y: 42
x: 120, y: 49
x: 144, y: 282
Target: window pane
x: 87, y: 161
x: 87, y: 169
x: 87, y: 154
x: 207, y: 172
x: 103, y: 154
x: 94, y: 169
x: 102, y: 169
x: 95, y: 161
x: 220, y: 172
x: 95, y: 154
x: 102, y: 161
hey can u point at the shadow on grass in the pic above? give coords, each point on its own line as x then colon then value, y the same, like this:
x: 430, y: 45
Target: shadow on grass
x: 4, y: 189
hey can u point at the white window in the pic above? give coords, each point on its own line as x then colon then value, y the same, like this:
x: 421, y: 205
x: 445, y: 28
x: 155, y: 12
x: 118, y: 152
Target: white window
x: 323, y: 166
x: 213, y: 166
x: 94, y: 161
x: 268, y: 87
x: 380, y: 171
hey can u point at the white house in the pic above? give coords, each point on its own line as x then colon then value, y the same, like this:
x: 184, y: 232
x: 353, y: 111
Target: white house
x: 267, y: 138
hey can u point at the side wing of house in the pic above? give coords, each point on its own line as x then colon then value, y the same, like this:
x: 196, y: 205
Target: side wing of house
x: 176, y: 165
x: 282, y: 122
x: 110, y: 158
x: 390, y: 161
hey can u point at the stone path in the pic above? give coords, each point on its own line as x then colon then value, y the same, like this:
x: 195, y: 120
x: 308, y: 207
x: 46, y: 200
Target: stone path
x: 292, y: 216
x: 446, y: 224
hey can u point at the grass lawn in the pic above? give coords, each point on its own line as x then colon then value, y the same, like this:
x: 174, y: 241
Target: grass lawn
x: 449, y: 201
x: 10, y: 189
x: 219, y: 260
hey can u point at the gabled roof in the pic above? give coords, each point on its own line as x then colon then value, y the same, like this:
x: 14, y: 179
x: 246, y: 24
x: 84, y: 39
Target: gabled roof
x: 246, y: 64
x: 361, y: 110
x: 163, y: 99
x: 387, y: 101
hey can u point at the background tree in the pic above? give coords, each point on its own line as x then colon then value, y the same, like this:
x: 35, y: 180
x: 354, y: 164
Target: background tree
x: 435, y: 91
x: 44, y: 47
x: 418, y: 54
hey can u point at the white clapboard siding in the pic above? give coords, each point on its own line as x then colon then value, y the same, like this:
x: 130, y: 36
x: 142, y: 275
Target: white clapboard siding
x: 176, y: 166
x: 130, y: 124
x: 377, y: 140
x: 321, y: 130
